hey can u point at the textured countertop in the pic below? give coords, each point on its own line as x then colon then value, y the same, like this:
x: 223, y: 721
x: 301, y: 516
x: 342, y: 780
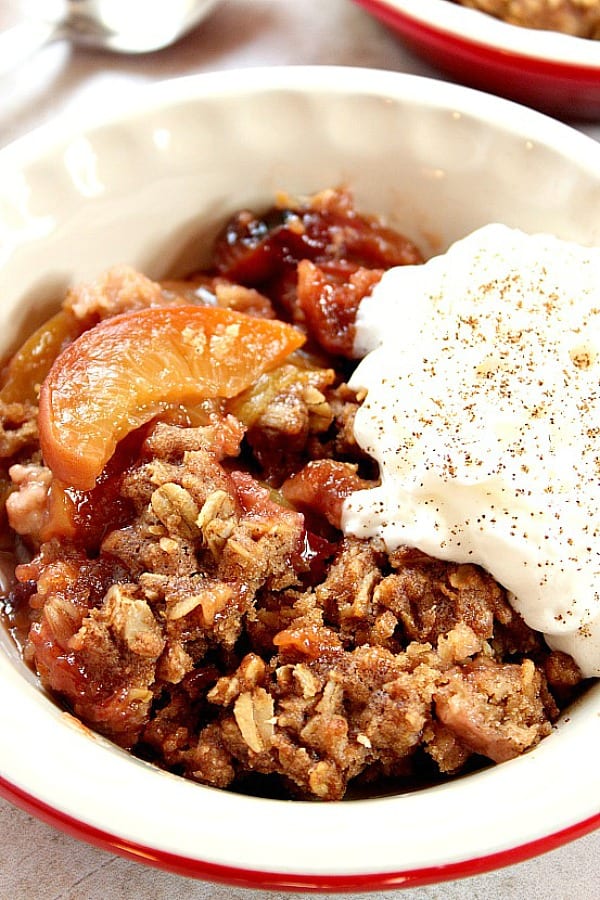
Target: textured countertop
x: 37, y: 862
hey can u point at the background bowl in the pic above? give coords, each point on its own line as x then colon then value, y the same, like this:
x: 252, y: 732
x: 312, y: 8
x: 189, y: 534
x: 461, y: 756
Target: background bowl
x: 556, y: 73
x: 147, y: 185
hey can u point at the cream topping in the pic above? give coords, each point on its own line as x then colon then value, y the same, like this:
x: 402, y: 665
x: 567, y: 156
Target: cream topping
x: 482, y: 373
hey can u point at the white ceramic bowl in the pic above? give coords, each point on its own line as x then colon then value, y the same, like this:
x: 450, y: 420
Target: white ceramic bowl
x: 140, y: 186
x: 554, y: 72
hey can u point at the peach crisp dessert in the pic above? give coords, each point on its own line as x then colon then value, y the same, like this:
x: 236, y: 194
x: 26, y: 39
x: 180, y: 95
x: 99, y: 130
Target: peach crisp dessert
x: 177, y: 459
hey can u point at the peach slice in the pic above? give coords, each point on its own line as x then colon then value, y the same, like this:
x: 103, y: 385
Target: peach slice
x: 31, y: 363
x: 125, y: 370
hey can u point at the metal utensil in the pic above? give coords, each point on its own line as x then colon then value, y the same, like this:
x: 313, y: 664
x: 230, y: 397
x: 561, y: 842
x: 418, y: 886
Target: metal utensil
x: 122, y: 26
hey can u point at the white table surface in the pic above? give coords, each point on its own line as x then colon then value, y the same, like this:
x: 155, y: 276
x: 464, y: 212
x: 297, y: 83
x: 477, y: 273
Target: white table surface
x: 37, y: 862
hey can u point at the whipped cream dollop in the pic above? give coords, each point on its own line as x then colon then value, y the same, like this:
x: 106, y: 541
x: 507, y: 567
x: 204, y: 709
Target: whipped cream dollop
x: 482, y: 372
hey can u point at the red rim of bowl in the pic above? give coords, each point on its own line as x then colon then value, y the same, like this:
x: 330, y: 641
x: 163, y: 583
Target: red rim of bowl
x: 240, y: 877
x: 554, y: 86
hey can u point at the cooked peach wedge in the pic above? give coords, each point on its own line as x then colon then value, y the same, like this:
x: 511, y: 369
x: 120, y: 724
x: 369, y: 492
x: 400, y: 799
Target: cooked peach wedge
x: 125, y: 370
x: 32, y: 362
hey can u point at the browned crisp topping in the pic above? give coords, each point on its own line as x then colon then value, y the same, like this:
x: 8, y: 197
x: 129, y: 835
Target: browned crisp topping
x: 18, y: 427
x: 201, y: 607
x: 580, y: 18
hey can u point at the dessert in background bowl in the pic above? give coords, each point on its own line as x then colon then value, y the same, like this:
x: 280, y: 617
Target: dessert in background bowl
x: 436, y: 162
x: 579, y: 18
x: 558, y: 73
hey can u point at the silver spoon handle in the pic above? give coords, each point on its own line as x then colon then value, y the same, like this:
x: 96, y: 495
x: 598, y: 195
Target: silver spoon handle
x: 21, y: 41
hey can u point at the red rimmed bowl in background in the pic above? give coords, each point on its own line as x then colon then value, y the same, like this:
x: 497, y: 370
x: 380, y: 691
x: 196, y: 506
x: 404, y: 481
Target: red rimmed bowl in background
x: 556, y: 73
